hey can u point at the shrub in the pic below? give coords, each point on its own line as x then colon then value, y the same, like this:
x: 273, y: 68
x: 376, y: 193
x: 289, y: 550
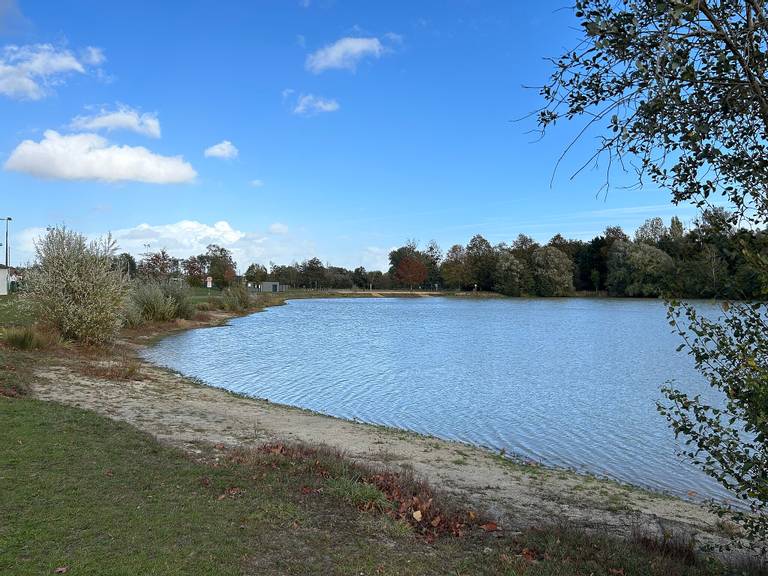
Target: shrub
x: 29, y: 338
x: 236, y: 298
x: 150, y: 303
x: 158, y: 302
x: 185, y: 307
x: 75, y: 287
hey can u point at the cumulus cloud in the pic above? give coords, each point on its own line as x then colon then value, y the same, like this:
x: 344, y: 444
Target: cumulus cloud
x: 256, y: 183
x: 375, y: 258
x: 344, y: 54
x: 311, y: 105
x: 278, y: 228
x: 89, y: 156
x: 189, y: 237
x: 224, y: 149
x: 122, y: 118
x: 29, y: 72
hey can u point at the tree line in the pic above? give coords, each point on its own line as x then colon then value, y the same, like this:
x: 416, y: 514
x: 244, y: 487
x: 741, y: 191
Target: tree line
x: 706, y: 260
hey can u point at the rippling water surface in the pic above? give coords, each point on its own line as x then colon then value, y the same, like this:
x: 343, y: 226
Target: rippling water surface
x: 569, y: 382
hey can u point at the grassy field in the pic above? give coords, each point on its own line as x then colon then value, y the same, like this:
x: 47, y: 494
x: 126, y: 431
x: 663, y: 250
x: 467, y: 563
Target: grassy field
x: 14, y: 314
x: 95, y: 496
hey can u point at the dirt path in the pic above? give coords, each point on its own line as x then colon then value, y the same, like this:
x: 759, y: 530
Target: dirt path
x: 185, y: 413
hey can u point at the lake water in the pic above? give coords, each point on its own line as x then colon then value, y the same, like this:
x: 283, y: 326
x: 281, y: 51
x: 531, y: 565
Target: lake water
x: 568, y: 382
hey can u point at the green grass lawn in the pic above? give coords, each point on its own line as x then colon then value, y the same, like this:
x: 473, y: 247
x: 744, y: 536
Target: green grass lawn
x: 99, y: 497
x: 12, y: 313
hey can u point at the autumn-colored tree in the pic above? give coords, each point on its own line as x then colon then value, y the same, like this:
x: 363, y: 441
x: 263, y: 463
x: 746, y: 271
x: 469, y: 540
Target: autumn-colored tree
x: 158, y: 265
x: 195, y: 269
x: 411, y: 271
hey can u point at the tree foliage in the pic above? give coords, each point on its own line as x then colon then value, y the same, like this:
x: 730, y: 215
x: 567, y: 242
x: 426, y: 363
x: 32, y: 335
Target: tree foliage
x: 256, y: 273
x: 552, y: 272
x: 728, y: 441
x: 221, y: 265
x: 677, y: 92
x: 411, y: 271
x: 158, y: 266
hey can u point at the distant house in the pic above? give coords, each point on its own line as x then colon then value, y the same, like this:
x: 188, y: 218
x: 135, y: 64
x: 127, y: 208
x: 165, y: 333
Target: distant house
x: 4, y: 280
x: 270, y: 287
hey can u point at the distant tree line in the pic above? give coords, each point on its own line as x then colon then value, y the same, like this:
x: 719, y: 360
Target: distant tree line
x: 704, y: 261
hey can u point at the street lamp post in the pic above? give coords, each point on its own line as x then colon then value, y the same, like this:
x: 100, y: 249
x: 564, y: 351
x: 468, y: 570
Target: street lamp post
x: 7, y: 246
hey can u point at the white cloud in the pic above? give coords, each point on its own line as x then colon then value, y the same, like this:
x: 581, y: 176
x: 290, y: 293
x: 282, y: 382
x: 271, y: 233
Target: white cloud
x: 90, y: 157
x: 93, y: 56
x: 189, y: 237
x: 29, y: 72
x: 344, y: 54
x: 182, y: 235
x: 394, y: 38
x: 278, y: 228
x: 224, y: 149
x: 256, y: 183
x: 310, y: 105
x: 375, y: 258
x: 123, y: 118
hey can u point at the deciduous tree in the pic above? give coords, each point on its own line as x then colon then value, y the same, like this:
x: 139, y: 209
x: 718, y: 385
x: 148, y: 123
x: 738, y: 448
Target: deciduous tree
x: 411, y: 271
x: 679, y: 91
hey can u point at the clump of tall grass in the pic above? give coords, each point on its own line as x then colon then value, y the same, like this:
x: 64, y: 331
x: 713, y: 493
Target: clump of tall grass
x: 185, y: 307
x: 29, y: 338
x: 236, y: 298
x: 158, y: 302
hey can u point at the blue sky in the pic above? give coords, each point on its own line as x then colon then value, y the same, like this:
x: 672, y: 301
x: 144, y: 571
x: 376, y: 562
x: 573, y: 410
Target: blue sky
x: 286, y: 129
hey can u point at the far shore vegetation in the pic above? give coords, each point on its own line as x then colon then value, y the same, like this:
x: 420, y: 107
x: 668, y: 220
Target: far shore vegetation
x: 704, y: 261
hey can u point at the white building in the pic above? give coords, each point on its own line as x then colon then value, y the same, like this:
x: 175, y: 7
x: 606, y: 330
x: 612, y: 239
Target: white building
x: 270, y: 287
x: 4, y: 280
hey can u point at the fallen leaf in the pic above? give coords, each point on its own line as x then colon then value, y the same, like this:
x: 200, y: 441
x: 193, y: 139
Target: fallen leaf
x: 528, y: 554
x: 490, y: 527
x: 436, y: 521
x: 471, y: 515
x: 61, y: 570
x: 417, y: 515
x: 109, y: 472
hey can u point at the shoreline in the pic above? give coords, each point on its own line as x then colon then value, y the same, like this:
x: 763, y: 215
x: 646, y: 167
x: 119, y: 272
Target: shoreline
x: 186, y: 412
x: 223, y: 318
